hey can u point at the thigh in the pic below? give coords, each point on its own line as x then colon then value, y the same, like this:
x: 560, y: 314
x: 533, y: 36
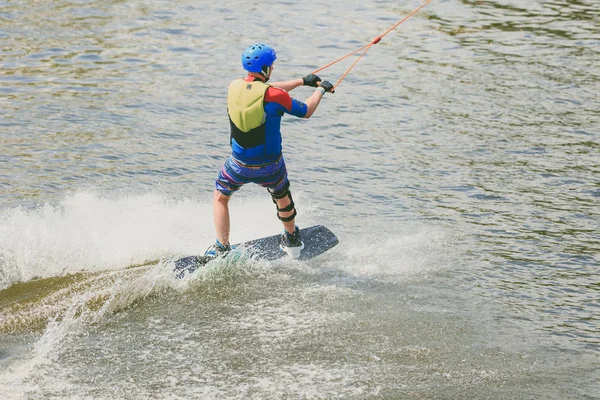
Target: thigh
x: 230, y: 178
x: 276, y: 178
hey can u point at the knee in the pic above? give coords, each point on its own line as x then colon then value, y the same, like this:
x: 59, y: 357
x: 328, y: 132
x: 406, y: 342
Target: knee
x: 221, y: 198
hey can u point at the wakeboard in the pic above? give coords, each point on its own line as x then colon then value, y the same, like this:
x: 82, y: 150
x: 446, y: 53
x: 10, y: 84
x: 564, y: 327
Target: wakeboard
x: 317, y: 240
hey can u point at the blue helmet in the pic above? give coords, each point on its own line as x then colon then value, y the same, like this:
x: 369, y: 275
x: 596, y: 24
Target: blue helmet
x: 258, y: 57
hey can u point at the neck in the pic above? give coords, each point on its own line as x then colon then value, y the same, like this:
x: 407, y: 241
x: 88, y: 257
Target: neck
x: 257, y: 75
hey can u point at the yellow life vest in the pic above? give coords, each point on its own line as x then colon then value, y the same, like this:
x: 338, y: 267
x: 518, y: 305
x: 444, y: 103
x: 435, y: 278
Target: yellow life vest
x: 245, y: 104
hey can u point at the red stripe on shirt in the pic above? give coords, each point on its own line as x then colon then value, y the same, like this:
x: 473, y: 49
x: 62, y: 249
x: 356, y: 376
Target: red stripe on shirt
x: 279, y: 96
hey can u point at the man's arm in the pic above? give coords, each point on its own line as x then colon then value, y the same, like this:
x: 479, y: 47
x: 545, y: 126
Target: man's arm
x: 281, y: 99
x: 313, y: 101
x: 288, y: 85
x: 309, y: 80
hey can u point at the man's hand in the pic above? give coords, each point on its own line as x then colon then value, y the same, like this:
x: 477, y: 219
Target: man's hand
x: 328, y: 86
x: 311, y: 80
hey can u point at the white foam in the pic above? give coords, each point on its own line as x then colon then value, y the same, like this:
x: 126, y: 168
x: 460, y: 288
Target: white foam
x: 69, y: 312
x: 35, y: 371
x: 414, y: 251
x: 89, y: 232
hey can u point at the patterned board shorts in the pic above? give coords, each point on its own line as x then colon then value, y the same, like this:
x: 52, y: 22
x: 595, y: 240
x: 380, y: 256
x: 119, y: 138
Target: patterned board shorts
x: 233, y: 175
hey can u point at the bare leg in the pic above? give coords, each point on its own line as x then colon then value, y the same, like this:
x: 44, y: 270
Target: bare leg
x: 221, y: 215
x: 290, y: 226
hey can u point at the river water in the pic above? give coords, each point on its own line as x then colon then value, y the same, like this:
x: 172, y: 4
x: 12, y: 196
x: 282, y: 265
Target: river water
x: 458, y: 163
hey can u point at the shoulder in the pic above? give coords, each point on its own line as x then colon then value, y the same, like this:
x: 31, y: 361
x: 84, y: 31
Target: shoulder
x: 235, y: 83
x: 279, y: 96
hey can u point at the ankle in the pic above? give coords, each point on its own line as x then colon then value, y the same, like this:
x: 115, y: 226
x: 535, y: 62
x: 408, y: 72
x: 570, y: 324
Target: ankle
x: 222, y: 246
x: 294, y: 230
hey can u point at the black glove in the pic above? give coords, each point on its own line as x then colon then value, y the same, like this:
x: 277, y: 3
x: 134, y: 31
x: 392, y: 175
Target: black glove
x: 328, y: 86
x: 311, y: 80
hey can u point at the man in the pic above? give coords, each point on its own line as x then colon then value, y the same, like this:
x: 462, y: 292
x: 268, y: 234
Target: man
x: 255, y: 109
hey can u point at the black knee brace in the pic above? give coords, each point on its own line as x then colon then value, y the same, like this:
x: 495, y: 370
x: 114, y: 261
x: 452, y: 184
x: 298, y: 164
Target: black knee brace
x: 280, y: 194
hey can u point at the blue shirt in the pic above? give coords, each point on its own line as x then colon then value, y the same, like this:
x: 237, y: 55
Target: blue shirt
x: 277, y: 102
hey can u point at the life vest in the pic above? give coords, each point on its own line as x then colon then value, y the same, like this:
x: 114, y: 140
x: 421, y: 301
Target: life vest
x: 245, y: 105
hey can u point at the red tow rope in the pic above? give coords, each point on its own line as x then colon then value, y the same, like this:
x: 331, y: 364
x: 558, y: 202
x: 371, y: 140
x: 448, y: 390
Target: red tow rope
x: 367, y: 46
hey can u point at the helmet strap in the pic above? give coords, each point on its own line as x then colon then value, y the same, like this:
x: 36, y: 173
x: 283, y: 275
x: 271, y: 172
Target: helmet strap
x: 265, y: 72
